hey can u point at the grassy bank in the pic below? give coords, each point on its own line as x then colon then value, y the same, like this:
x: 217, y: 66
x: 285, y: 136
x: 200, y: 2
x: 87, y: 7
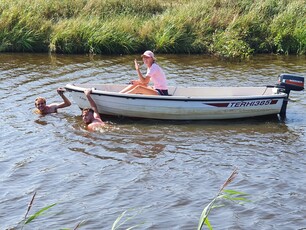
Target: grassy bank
x: 226, y: 28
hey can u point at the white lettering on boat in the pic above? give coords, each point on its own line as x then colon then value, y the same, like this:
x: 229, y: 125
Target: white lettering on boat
x: 244, y: 103
x: 252, y: 103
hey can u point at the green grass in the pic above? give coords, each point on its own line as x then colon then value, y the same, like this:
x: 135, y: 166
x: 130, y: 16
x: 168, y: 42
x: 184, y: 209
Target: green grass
x: 225, y: 28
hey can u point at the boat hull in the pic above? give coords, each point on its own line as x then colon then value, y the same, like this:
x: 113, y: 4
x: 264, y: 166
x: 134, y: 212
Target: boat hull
x: 178, y: 107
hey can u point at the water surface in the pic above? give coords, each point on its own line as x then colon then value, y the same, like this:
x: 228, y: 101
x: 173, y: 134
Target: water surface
x: 168, y: 170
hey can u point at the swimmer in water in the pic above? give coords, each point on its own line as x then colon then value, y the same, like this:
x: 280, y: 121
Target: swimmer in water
x: 91, y: 116
x: 43, y: 108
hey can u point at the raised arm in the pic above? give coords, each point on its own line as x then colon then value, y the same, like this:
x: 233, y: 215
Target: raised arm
x: 92, y: 103
x: 66, y: 102
x: 142, y: 79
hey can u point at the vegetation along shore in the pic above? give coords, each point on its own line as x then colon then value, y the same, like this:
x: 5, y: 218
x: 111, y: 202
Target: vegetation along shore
x: 225, y: 28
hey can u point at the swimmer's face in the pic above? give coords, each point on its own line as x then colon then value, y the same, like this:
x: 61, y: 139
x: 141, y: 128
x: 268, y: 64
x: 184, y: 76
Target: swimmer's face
x: 87, y: 116
x: 40, y: 104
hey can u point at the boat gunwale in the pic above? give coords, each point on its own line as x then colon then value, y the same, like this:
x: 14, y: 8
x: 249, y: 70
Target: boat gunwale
x: 71, y: 88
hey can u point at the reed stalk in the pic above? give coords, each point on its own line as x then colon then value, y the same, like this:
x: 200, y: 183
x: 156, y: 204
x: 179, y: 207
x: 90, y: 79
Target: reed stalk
x: 29, y: 219
x: 30, y: 206
x: 221, y: 194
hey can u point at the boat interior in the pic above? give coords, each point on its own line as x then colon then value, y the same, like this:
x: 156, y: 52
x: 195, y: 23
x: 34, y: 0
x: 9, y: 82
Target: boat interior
x: 195, y: 91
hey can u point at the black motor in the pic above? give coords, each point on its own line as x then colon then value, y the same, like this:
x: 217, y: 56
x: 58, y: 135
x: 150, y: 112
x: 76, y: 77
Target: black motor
x: 290, y: 82
x: 286, y: 83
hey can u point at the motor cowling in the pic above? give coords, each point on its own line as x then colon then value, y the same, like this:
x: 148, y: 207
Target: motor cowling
x: 290, y: 82
x: 286, y: 83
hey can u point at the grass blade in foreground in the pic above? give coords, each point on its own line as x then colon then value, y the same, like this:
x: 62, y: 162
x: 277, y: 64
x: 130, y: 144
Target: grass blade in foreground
x: 226, y: 194
x: 117, y: 225
x: 39, y: 213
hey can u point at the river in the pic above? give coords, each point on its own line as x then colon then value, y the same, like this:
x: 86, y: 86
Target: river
x: 164, y: 173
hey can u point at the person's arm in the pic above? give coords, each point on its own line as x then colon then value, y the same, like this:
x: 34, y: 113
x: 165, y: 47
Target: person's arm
x: 66, y: 102
x: 92, y: 103
x: 52, y: 108
x: 143, y: 80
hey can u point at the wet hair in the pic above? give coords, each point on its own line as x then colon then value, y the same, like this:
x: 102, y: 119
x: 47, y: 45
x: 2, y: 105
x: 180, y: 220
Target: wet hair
x: 40, y: 98
x: 87, y: 110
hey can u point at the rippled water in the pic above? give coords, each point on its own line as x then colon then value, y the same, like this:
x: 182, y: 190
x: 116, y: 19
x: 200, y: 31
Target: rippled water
x: 168, y: 170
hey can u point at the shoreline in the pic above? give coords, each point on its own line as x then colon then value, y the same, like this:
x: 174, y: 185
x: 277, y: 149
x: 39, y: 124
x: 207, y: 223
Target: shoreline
x: 226, y: 29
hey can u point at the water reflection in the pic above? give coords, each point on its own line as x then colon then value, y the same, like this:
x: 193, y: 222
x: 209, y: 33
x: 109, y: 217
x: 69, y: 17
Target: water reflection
x: 148, y: 139
x: 83, y: 151
x: 40, y: 122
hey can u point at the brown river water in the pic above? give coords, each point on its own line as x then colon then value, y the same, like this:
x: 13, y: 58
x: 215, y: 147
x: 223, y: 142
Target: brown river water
x: 163, y: 172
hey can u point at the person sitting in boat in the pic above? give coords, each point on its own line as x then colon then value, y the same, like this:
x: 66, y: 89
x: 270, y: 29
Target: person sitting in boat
x: 43, y: 108
x: 91, y: 116
x: 154, y: 73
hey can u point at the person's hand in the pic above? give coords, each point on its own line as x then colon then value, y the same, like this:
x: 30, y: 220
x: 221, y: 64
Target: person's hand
x: 87, y: 92
x: 136, y: 64
x: 61, y: 91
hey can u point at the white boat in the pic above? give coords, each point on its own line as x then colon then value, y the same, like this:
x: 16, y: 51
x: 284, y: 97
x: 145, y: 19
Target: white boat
x: 191, y: 103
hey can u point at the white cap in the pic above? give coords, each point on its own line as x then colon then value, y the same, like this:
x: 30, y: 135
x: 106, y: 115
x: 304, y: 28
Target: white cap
x: 149, y: 54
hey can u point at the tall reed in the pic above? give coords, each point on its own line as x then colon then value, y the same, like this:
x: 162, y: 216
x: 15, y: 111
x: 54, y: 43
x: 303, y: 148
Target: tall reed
x: 222, y: 194
x: 226, y: 28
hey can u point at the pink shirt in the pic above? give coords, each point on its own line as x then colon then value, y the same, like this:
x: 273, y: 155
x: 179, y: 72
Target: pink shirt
x: 158, y: 77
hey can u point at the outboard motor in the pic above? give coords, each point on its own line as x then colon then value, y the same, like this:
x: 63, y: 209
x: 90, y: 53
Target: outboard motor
x: 286, y: 83
x: 291, y: 82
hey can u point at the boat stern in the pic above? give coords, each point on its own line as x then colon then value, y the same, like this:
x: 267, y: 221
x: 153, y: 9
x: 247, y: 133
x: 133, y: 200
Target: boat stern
x: 286, y: 83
